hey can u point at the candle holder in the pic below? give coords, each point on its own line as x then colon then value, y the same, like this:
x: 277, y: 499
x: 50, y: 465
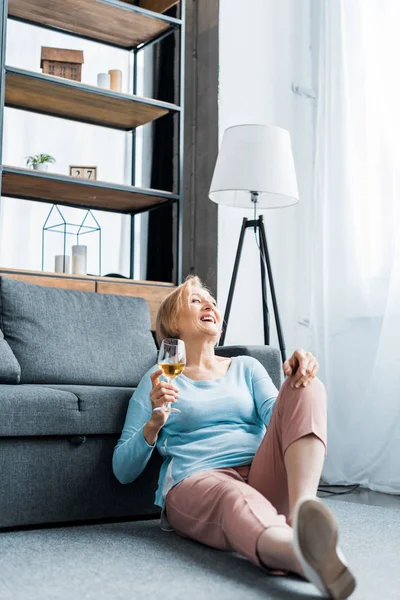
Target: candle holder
x: 89, y: 224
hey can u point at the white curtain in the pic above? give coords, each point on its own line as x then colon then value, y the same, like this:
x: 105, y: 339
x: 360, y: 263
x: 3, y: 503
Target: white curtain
x: 355, y: 315
x: 72, y: 143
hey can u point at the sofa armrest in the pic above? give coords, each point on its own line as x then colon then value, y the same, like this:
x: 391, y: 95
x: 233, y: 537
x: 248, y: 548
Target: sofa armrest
x: 268, y: 356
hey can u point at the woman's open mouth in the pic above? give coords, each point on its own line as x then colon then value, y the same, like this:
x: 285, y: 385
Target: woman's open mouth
x: 208, y: 319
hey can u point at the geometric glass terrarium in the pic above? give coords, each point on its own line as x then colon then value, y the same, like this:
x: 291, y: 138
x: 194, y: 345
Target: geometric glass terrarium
x: 56, y: 222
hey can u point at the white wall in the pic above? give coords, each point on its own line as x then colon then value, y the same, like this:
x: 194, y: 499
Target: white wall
x: 265, y: 51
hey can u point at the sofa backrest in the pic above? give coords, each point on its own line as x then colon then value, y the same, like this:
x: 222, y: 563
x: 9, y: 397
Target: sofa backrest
x: 68, y: 336
x: 10, y: 370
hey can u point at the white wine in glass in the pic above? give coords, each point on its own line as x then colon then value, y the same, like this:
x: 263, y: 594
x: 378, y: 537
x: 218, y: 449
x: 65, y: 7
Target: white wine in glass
x: 172, y: 360
x: 172, y: 370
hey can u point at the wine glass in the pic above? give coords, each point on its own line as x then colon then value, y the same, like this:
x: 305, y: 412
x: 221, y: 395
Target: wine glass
x: 172, y: 360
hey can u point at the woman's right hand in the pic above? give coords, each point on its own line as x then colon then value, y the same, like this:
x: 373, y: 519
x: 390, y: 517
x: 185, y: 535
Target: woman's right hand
x: 161, y: 393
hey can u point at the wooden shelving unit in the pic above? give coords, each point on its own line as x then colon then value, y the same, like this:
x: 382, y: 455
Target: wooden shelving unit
x: 118, y: 23
x: 74, y: 100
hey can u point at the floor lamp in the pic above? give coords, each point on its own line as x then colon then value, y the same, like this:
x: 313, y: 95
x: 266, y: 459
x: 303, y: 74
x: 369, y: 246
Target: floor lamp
x: 255, y: 169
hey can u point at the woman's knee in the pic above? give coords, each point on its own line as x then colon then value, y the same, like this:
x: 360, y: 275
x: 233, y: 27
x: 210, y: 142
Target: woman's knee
x: 312, y: 397
x: 313, y: 385
x: 317, y: 386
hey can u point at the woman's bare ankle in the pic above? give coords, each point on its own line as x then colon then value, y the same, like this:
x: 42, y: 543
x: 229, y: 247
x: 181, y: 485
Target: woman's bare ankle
x: 275, y: 549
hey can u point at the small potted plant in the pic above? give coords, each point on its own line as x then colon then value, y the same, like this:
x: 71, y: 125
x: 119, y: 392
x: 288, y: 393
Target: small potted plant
x: 39, y: 162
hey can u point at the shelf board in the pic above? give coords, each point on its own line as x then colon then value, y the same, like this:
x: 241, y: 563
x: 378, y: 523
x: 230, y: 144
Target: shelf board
x: 117, y: 23
x: 69, y: 191
x: 74, y: 100
x: 157, y: 5
x: 116, y: 280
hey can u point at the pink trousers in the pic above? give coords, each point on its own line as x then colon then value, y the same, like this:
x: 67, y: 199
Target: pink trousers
x: 229, y: 508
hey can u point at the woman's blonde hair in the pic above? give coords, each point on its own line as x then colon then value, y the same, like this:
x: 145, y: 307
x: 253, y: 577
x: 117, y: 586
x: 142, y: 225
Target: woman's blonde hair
x: 167, y: 315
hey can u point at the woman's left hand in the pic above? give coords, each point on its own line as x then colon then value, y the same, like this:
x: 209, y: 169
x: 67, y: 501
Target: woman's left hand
x: 303, y: 367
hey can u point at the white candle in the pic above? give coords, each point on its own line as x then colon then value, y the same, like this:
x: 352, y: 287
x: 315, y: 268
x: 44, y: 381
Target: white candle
x: 62, y: 263
x: 79, y: 260
x: 103, y: 80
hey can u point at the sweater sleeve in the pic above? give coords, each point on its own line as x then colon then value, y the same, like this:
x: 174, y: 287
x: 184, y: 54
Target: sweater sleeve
x: 264, y: 391
x: 132, y: 452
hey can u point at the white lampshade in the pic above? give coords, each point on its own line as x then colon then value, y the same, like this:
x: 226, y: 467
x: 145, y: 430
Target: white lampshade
x: 255, y: 158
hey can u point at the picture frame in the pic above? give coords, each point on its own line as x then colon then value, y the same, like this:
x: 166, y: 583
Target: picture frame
x: 83, y: 172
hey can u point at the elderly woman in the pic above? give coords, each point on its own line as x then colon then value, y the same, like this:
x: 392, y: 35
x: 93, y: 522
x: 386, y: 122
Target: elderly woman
x: 242, y: 462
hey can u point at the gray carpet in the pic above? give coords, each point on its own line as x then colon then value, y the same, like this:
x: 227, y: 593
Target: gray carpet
x: 138, y: 561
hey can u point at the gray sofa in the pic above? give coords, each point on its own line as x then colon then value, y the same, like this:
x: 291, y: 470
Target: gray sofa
x: 69, y: 363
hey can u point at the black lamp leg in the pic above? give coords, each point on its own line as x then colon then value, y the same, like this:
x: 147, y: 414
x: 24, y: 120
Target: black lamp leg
x: 264, y: 249
x: 233, y: 282
x: 264, y: 292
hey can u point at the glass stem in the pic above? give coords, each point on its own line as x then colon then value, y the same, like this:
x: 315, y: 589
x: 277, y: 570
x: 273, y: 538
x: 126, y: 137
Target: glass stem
x: 167, y: 404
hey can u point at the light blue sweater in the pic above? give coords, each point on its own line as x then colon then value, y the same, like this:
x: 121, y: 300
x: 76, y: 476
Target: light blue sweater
x: 221, y: 424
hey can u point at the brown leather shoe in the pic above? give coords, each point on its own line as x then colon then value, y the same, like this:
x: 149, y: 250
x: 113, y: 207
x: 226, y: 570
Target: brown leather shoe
x: 315, y: 536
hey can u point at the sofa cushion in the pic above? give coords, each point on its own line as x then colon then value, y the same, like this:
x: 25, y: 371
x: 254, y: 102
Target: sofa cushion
x: 73, y: 337
x: 36, y: 410
x: 10, y: 371
x: 268, y: 356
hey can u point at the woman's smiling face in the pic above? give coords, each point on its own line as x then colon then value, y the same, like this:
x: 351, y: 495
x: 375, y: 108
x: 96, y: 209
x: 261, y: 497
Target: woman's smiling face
x: 199, y: 314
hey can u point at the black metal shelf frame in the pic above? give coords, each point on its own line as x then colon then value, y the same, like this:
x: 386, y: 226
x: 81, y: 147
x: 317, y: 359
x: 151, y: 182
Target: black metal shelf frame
x: 176, y: 25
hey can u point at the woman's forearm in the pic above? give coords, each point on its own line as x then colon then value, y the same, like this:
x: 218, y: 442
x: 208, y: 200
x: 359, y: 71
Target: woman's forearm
x: 131, y: 456
x: 150, y: 432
